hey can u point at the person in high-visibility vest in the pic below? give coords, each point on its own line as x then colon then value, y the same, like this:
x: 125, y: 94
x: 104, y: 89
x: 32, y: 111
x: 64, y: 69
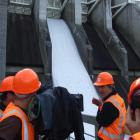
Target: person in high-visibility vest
x: 111, y: 115
x: 14, y: 124
x: 133, y: 112
x: 6, y: 94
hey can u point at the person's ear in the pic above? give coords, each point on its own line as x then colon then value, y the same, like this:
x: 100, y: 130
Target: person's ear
x: 10, y: 96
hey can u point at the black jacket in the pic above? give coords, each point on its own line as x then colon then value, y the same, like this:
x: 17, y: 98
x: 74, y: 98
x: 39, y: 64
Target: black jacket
x: 60, y: 114
x: 71, y: 118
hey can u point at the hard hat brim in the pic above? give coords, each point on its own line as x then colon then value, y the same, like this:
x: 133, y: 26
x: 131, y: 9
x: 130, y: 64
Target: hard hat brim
x: 102, y: 84
x: 28, y: 92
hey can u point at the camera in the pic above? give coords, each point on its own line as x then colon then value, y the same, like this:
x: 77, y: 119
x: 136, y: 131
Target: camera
x: 79, y: 101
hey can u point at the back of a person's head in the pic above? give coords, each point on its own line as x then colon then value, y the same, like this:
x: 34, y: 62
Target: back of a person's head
x: 7, y: 84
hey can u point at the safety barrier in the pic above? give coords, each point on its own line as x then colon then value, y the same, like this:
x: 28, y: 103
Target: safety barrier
x: 89, y: 120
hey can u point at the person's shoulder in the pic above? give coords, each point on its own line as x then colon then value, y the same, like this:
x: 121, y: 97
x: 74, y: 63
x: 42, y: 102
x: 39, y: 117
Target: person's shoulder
x: 135, y: 136
x: 10, y: 128
x: 109, y: 105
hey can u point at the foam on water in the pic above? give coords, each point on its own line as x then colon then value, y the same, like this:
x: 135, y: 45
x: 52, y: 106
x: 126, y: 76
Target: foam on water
x: 67, y: 68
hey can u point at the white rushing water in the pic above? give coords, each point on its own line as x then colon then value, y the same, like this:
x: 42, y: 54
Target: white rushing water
x: 67, y: 68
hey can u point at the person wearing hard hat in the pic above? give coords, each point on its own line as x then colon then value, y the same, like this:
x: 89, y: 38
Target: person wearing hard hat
x: 111, y: 115
x: 6, y: 94
x: 133, y: 112
x: 14, y: 124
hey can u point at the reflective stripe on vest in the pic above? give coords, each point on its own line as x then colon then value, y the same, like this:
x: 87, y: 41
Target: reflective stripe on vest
x: 105, y: 132
x: 23, y: 119
x: 111, y: 136
x: 1, y: 113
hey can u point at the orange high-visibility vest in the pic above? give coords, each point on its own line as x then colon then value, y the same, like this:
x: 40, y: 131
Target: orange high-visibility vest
x: 115, y: 130
x: 27, y: 128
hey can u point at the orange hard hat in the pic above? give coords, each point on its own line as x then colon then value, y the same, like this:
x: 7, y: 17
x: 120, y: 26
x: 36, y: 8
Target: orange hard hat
x: 134, y: 86
x: 7, y: 84
x: 26, y: 81
x: 103, y: 79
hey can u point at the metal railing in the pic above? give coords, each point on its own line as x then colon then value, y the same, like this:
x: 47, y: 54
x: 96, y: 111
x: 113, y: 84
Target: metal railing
x: 87, y: 8
x: 55, y: 8
x: 20, y: 6
x: 120, y: 7
x: 89, y: 120
x: 21, y: 2
x: 92, y: 4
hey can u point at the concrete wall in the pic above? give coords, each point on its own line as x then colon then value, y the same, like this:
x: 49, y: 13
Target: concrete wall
x: 3, y: 37
x: 40, y: 18
x: 81, y: 39
x: 101, y: 20
x: 128, y: 24
x: 138, y: 4
x: 69, y: 12
x: 97, y: 18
